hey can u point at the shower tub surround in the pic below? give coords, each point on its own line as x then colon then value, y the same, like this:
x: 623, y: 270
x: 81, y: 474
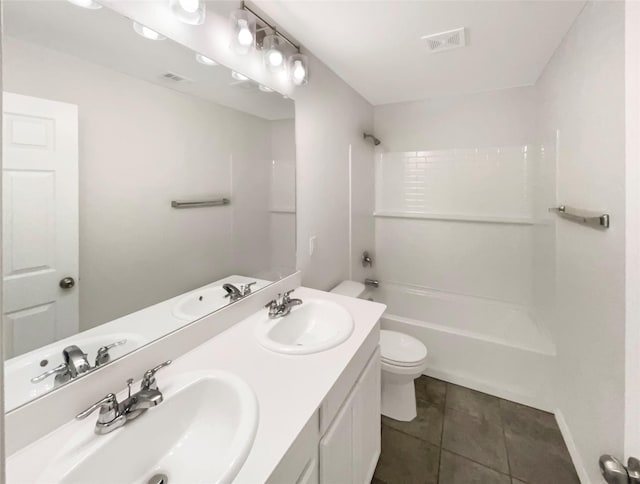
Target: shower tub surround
x: 461, y: 276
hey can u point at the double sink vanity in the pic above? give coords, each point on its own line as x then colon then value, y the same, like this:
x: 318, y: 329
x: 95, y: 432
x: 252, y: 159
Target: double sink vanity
x: 289, y: 394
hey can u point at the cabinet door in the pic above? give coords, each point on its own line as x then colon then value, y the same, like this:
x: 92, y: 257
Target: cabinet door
x: 336, y: 448
x: 366, y: 421
x: 310, y: 473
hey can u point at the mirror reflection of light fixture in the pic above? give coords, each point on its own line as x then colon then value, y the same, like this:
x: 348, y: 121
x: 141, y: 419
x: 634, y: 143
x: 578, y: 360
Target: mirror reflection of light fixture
x: 90, y: 4
x: 146, y: 32
x: 239, y: 77
x: 191, y: 12
x: 205, y: 60
x: 298, y: 69
x: 273, y: 53
x: 264, y: 88
x: 243, y: 26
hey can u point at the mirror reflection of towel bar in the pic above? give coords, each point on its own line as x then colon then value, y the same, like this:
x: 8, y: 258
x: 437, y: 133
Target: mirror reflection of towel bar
x: 580, y: 216
x: 200, y: 203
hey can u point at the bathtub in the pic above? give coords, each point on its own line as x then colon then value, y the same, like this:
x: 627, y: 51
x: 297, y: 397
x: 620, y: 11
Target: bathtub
x: 491, y: 346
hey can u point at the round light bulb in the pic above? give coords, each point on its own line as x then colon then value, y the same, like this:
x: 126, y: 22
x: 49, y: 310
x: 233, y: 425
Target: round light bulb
x: 146, y: 32
x: 91, y: 4
x: 190, y: 6
x: 275, y: 58
x: 299, y: 71
x: 239, y: 77
x: 205, y: 60
x: 245, y: 37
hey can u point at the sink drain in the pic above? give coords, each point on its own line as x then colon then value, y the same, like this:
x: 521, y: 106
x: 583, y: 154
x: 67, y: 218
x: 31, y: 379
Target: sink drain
x: 159, y: 479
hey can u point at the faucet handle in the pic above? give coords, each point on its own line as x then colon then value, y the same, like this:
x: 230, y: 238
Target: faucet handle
x: 286, y: 295
x: 61, y: 368
x: 246, y: 288
x: 103, y: 352
x: 107, y: 405
x: 148, y: 379
x: 273, y: 303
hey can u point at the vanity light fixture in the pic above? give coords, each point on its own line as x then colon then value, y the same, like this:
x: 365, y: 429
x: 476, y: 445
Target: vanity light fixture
x: 264, y: 88
x: 243, y: 26
x: 190, y: 12
x: 272, y: 52
x: 272, y: 46
x: 205, y: 60
x: 146, y: 32
x: 90, y: 4
x: 239, y: 77
x: 298, y: 69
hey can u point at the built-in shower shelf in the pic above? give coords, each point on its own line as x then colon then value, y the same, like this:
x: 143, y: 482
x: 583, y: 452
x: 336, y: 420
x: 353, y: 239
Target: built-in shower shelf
x: 490, y: 219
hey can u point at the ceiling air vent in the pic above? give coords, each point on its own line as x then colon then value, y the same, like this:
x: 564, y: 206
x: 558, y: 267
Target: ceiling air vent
x: 451, y: 39
x: 172, y: 76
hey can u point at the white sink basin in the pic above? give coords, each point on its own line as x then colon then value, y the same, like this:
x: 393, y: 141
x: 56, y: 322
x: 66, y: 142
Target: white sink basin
x: 19, y: 371
x: 201, y: 433
x: 315, y: 326
x: 199, y: 303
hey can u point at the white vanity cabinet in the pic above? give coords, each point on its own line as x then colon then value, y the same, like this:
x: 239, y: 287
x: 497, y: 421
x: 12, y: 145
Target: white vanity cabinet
x: 341, y: 443
x: 350, y: 447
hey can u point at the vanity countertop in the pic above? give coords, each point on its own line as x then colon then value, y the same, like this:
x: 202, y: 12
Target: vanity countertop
x: 289, y: 388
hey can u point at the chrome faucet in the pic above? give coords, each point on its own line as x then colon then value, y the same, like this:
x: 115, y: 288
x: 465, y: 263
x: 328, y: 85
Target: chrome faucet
x: 76, y: 363
x: 282, y: 305
x: 114, y: 414
x: 234, y: 293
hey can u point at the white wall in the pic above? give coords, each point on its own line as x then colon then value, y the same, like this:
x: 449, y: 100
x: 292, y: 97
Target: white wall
x: 142, y: 145
x: 582, y: 98
x: 499, y: 118
x: 330, y: 117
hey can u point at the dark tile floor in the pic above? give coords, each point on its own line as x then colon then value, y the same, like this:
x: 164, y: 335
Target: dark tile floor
x: 466, y: 437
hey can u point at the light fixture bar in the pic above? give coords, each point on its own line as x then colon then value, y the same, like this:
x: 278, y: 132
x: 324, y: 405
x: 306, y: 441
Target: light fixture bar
x: 272, y: 27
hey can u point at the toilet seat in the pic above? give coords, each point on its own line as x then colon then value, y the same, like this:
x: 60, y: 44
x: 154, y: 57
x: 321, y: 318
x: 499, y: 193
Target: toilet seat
x: 401, y: 350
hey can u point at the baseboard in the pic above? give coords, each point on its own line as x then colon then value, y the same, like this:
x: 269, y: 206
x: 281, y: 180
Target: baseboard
x: 485, y: 387
x: 571, y: 447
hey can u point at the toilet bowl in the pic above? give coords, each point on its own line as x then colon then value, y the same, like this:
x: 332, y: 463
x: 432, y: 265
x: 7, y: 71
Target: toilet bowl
x: 403, y: 359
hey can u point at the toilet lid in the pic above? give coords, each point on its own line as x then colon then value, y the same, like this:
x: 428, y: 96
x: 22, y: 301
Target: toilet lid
x: 401, y: 349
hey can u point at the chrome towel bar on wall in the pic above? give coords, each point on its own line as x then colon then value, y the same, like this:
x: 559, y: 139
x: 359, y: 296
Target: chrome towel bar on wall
x: 200, y: 203
x: 598, y: 221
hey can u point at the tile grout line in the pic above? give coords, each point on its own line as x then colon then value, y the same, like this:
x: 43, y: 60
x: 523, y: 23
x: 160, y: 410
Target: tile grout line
x: 444, y: 408
x: 504, y: 436
x: 479, y: 463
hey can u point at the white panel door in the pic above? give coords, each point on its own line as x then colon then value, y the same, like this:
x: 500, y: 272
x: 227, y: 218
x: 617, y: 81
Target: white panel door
x: 40, y: 221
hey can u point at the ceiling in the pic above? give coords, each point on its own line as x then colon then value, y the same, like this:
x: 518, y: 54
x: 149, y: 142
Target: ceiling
x: 105, y: 38
x: 376, y: 46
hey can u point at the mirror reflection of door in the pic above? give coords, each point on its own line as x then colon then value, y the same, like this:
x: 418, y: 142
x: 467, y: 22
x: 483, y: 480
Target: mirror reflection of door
x: 40, y: 222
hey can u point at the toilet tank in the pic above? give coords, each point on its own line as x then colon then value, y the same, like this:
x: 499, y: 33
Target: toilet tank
x: 349, y: 288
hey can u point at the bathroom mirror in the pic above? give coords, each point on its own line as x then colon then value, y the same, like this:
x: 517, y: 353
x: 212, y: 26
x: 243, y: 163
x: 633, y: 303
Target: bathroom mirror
x: 140, y: 179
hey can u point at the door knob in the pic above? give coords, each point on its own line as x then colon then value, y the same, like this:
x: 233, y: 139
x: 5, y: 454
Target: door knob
x: 67, y: 282
x: 615, y: 472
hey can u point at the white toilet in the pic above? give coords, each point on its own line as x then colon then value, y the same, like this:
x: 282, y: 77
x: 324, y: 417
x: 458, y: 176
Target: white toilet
x: 404, y: 358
